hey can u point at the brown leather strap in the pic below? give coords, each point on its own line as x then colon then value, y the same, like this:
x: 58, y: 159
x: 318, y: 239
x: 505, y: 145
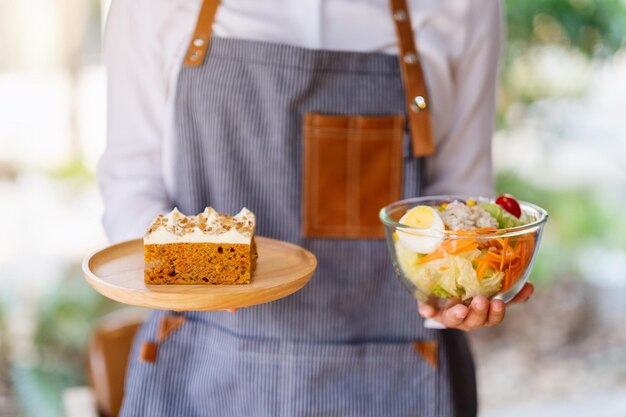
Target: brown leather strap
x: 148, y: 351
x: 412, y: 75
x: 202, y: 36
x: 414, y: 84
x: 167, y: 325
x: 427, y: 349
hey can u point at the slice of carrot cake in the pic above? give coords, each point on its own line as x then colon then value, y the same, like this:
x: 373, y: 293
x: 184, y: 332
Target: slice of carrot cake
x: 210, y: 248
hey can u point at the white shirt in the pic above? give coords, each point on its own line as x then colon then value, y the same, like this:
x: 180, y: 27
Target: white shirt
x: 459, y: 42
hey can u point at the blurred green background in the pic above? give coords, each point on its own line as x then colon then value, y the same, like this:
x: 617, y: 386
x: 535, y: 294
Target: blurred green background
x: 559, y: 144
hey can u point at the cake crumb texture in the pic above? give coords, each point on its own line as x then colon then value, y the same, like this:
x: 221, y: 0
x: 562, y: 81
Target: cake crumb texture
x: 199, y: 263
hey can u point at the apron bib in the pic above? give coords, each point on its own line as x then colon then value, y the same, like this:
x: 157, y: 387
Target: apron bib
x: 302, y: 138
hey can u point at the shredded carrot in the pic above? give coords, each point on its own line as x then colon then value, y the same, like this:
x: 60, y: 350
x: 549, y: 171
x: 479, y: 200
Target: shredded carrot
x: 505, y: 246
x: 506, y: 280
x: 456, y: 246
x: 493, y: 265
x: 481, y: 269
x: 438, y: 254
x: 521, y: 250
x: 493, y: 256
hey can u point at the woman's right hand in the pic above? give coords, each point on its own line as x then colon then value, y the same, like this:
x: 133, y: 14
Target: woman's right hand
x: 480, y: 313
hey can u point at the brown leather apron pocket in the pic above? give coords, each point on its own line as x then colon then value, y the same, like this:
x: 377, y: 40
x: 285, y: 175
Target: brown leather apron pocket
x: 352, y: 168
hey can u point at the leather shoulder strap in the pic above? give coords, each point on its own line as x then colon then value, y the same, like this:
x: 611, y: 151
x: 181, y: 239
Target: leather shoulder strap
x: 413, y: 78
x: 202, y: 35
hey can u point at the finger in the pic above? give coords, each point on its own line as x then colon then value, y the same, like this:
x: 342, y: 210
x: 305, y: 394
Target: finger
x: 497, y: 309
x: 426, y: 310
x: 478, y: 310
x: 524, y: 294
x: 452, y: 317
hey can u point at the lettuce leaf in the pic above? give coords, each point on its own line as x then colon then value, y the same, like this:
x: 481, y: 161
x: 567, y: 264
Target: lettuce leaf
x: 425, y: 279
x: 448, y: 281
x: 455, y: 276
x: 491, y: 282
x: 440, y: 292
x: 407, y: 259
x: 504, y: 218
x: 467, y: 278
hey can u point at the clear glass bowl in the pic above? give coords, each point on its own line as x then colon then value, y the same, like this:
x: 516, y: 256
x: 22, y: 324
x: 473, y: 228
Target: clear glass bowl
x: 465, y: 264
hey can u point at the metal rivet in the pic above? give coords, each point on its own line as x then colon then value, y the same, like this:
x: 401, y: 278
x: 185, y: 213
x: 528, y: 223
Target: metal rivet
x: 399, y: 16
x: 195, y: 55
x: 410, y: 58
x: 419, y: 103
x: 198, y: 42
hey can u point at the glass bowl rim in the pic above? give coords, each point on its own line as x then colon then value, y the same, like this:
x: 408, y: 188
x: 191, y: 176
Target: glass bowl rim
x: 510, y: 231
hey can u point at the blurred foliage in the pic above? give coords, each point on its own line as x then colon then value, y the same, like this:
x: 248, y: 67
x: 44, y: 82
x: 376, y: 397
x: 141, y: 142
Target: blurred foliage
x: 74, y: 169
x: 67, y: 313
x: 4, y: 360
x: 576, y: 218
x: 39, y: 391
x: 580, y: 215
x: 3, y: 333
x: 571, y: 31
x: 595, y: 27
x: 64, y: 320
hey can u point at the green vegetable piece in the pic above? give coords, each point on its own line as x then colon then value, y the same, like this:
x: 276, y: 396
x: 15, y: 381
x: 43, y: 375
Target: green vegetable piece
x: 440, y: 292
x: 504, y: 218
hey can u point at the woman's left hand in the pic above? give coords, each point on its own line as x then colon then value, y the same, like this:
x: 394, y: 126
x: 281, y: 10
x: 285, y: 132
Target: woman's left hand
x: 480, y: 313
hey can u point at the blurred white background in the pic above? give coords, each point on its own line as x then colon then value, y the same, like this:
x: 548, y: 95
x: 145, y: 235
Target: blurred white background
x: 560, y: 143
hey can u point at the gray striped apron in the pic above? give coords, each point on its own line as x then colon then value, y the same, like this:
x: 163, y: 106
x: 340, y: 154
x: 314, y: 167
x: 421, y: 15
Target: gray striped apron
x: 345, y: 345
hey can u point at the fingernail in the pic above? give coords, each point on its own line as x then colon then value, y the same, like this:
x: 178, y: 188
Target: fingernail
x: 480, y: 305
x: 460, y: 313
x: 426, y: 310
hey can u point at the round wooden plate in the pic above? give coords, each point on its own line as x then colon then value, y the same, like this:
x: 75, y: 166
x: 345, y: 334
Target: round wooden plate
x: 117, y: 273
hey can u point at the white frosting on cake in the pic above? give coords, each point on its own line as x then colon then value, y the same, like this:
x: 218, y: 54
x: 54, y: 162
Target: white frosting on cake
x: 207, y: 227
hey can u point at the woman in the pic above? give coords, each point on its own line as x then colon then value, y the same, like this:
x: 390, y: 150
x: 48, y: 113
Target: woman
x: 302, y: 112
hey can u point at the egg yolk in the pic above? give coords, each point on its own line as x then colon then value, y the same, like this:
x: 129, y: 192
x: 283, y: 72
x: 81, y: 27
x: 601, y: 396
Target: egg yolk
x: 421, y: 217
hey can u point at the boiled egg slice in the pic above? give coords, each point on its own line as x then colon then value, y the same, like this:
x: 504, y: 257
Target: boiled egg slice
x: 427, y: 219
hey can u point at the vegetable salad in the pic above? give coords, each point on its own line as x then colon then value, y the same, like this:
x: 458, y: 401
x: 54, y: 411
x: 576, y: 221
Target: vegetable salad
x: 473, y: 260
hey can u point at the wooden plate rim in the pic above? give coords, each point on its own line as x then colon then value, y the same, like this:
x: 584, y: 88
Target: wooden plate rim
x: 161, y: 299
